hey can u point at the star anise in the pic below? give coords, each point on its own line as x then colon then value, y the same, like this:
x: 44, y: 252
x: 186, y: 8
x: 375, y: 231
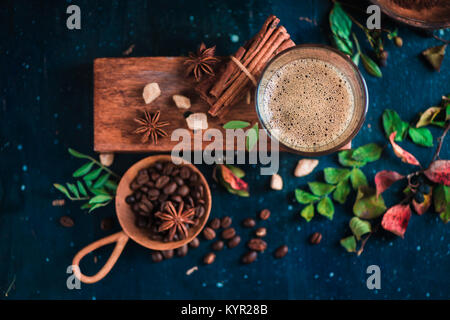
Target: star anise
x: 151, y: 127
x: 175, y: 221
x: 201, y: 62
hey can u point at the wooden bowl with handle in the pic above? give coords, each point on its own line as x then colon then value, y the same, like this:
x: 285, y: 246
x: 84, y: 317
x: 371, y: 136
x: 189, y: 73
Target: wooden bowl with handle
x: 126, y: 219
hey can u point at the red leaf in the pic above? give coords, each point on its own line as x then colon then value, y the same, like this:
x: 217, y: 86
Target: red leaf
x: 235, y: 182
x: 384, y: 179
x: 396, y: 219
x: 422, y: 207
x: 439, y: 172
x: 404, y: 155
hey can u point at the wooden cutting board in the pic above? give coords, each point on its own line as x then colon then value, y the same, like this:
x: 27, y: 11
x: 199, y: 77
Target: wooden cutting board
x: 118, y: 85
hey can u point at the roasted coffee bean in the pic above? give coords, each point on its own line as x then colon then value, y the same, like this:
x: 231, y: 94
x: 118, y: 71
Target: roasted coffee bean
x: 144, y: 189
x: 264, y: 214
x: 185, y: 172
x: 170, y: 188
x: 161, y: 182
x: 176, y: 198
x: 215, y: 223
x: 182, y: 251
x: 178, y: 181
x: 183, y: 190
x: 218, y: 245
x: 147, y: 203
x: 141, y: 221
x: 257, y: 244
x: 199, y: 211
x: 168, y: 254
x: 157, y: 256
x: 261, y: 232
x: 106, y: 224
x: 225, y: 222
x: 281, y: 251
x: 130, y: 199
x: 190, y: 201
x: 201, y: 201
x: 143, y: 210
x: 228, y: 233
x: 209, y: 233
x: 175, y: 172
x: 134, y: 185
x: 142, y: 177
x: 233, y: 242
x: 196, y: 195
x: 249, y: 257
x: 66, y: 221
x: 315, y: 238
x: 153, y: 194
x: 193, y: 177
x: 194, y: 243
x: 158, y: 166
x: 138, y: 196
x: 163, y: 197
x: 168, y: 168
x: 154, y: 176
x: 200, y: 191
x: 209, y: 258
x: 248, y: 222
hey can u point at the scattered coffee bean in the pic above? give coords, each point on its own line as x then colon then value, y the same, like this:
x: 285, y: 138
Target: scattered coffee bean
x: 168, y: 254
x: 249, y: 257
x: 264, y: 214
x: 281, y: 251
x: 215, y: 223
x: 66, y: 221
x: 218, y: 245
x: 248, y: 222
x: 157, y: 256
x: 182, y: 251
x: 226, y: 222
x: 261, y: 232
x: 234, y: 242
x: 315, y: 238
x: 194, y: 243
x: 106, y: 224
x: 209, y: 233
x: 228, y: 233
x: 209, y: 258
x: 257, y: 244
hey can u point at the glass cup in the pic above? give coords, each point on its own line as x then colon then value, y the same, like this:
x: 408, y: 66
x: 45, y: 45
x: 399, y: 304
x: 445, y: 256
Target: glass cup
x: 342, y: 63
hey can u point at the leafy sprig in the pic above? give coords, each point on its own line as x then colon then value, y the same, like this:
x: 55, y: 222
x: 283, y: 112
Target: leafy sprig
x: 252, y: 134
x: 96, y: 184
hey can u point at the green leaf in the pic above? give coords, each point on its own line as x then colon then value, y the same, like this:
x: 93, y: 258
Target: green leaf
x: 435, y: 56
x: 238, y: 172
x: 421, y: 136
x: 334, y: 175
x: 427, y: 116
x: 392, y: 122
x: 368, y: 153
x: 320, y: 188
x: 356, y: 57
x: 101, y: 181
x: 346, y: 159
x: 342, y: 191
x: 62, y: 189
x: 100, y: 199
x: 441, y: 197
x: 349, y: 243
x: 340, y: 22
x: 344, y: 45
x: 93, y: 175
x: 367, y: 204
x: 77, y: 154
x: 98, y: 205
x: 73, y: 189
x: 82, y: 189
x: 236, y: 124
x: 391, y: 35
x: 85, y: 206
x: 99, y: 192
x: 304, y: 197
x: 358, y: 178
x: 308, y: 212
x: 252, y: 137
x: 112, y: 185
x: 326, y: 208
x: 83, y: 170
x: 359, y: 227
x: 445, y: 215
x: 370, y: 65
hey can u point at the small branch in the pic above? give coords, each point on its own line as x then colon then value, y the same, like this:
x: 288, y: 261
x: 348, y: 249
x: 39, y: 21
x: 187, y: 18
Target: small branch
x: 440, y: 39
x: 10, y: 286
x: 441, y: 141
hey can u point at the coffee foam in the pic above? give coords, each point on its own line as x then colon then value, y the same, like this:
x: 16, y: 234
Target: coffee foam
x: 307, y: 103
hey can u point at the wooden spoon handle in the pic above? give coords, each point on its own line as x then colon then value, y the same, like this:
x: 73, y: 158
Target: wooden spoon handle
x: 121, y: 240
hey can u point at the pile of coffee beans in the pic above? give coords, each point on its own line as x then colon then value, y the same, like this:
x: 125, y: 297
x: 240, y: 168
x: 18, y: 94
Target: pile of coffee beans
x: 228, y: 237
x: 153, y: 187
x: 158, y: 256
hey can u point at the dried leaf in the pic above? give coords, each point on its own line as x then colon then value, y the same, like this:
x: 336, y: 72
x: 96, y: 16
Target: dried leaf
x: 392, y: 123
x: 439, y: 172
x: 427, y: 116
x: 421, y: 136
x: 238, y: 172
x: 435, y: 56
x: 404, y: 155
x: 233, y: 181
x: 441, y: 197
x: 308, y: 212
x: 384, y: 179
x: 359, y: 227
x: 445, y: 215
x: 367, y: 204
x: 396, y: 219
x: 305, y: 167
x: 349, y: 243
x: 422, y: 207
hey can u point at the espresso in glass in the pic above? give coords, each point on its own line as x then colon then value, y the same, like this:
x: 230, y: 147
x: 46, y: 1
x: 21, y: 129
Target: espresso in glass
x: 312, y: 99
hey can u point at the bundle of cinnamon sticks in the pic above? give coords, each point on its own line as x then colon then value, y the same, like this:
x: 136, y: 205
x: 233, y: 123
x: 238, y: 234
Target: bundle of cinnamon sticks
x: 234, y: 79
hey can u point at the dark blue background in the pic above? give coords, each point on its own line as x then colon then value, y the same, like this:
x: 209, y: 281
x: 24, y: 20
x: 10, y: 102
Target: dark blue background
x: 46, y: 106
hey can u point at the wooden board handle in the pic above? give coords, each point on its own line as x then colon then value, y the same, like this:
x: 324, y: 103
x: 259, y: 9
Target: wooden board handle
x: 121, y: 240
